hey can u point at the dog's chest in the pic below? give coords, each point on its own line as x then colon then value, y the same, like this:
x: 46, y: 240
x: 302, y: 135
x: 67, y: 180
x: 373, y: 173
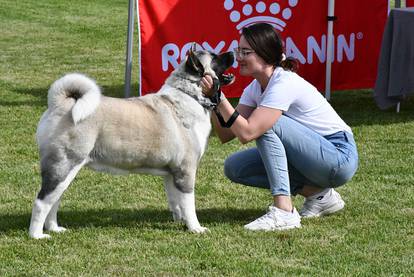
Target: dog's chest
x: 202, y: 131
x: 192, y: 117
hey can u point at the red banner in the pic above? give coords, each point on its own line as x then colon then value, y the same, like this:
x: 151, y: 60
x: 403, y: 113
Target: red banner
x: 169, y: 27
x: 409, y: 3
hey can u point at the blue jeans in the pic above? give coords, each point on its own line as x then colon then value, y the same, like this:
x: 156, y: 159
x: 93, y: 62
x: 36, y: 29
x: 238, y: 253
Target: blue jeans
x: 290, y: 156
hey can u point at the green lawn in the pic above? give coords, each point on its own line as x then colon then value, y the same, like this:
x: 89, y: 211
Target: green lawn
x: 120, y: 225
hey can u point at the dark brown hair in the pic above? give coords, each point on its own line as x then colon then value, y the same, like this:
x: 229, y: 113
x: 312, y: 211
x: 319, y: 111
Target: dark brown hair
x: 268, y: 44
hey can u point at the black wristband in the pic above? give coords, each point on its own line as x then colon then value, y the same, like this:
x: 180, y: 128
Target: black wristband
x: 229, y: 122
x: 220, y: 118
x: 232, y: 118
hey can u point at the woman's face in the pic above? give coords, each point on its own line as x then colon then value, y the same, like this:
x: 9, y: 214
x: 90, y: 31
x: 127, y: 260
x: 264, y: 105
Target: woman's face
x: 250, y: 64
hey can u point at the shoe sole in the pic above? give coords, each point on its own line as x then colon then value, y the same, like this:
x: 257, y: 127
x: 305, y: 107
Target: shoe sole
x: 287, y: 227
x: 335, y: 208
x: 277, y: 229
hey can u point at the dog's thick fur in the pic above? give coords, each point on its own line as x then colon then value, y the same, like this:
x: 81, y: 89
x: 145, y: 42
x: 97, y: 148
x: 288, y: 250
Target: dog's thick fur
x: 165, y: 133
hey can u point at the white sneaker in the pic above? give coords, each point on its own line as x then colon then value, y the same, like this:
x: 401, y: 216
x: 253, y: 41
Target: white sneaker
x: 323, y: 203
x: 275, y: 219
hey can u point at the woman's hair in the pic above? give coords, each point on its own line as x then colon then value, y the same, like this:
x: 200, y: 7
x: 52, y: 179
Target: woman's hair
x: 267, y: 43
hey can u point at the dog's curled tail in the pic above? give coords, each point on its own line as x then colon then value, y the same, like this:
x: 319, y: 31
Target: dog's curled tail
x: 74, y: 92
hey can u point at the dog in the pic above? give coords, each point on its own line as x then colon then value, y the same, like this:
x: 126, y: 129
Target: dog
x: 164, y: 133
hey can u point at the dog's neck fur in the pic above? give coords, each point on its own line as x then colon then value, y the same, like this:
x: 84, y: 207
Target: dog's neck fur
x: 189, y: 86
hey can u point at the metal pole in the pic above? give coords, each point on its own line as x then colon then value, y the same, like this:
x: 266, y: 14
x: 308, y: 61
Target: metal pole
x: 329, y: 48
x: 128, y: 63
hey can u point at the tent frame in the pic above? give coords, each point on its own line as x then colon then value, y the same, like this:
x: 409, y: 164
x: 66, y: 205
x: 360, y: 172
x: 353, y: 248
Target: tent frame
x: 329, y: 47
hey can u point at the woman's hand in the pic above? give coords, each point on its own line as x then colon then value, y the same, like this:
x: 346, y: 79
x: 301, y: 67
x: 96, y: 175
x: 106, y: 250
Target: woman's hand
x: 206, y: 84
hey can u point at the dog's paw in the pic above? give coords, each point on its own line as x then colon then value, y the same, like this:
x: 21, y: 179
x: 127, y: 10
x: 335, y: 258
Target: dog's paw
x: 40, y: 236
x: 199, y: 230
x: 58, y: 229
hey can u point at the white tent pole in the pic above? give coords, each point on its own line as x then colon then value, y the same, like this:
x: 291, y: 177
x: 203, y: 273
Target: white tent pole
x: 329, y: 48
x: 128, y: 62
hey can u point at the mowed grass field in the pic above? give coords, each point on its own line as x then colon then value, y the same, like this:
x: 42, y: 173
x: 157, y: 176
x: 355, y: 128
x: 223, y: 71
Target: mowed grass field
x: 121, y: 226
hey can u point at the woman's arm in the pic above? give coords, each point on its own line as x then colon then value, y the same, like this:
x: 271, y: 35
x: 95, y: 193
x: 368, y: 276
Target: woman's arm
x: 226, y: 134
x: 252, y: 123
x: 253, y: 126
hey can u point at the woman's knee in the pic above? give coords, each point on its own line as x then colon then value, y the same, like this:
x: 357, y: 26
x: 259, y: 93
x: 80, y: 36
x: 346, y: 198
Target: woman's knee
x: 230, y: 168
x: 243, y: 164
x: 344, y: 175
x: 276, y: 132
x: 269, y: 138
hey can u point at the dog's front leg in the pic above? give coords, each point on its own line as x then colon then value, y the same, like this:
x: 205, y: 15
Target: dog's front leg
x: 172, y: 196
x: 183, y: 193
x: 187, y: 201
x: 51, y: 223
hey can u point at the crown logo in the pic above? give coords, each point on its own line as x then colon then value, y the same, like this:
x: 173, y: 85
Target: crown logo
x: 246, y: 14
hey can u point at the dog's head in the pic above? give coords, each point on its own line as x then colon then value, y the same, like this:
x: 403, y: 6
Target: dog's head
x: 186, y: 78
x: 200, y: 63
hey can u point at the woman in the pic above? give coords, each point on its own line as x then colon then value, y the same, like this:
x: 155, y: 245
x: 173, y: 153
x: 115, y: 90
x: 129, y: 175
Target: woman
x: 303, y: 146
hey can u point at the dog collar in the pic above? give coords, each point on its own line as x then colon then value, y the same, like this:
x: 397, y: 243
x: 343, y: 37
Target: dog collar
x: 206, y: 103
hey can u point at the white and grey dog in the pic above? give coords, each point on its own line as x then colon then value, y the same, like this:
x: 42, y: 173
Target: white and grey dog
x: 164, y: 133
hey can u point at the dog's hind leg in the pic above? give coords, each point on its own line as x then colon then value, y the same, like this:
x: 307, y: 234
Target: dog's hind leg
x: 182, y: 192
x: 57, y: 174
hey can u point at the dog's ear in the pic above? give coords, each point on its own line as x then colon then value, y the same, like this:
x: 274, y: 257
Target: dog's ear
x: 193, y: 64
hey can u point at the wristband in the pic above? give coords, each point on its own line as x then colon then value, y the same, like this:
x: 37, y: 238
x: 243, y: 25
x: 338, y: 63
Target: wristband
x: 232, y: 118
x: 229, y: 122
x: 220, y: 118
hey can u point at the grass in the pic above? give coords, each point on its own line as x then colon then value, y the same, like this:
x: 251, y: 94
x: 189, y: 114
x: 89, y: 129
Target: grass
x: 119, y: 225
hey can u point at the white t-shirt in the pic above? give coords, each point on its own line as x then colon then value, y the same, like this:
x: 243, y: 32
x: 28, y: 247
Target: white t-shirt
x: 298, y: 99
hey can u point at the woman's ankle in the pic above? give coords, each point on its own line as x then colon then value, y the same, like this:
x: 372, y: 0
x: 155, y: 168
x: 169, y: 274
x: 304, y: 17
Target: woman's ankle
x: 308, y: 191
x: 283, y: 202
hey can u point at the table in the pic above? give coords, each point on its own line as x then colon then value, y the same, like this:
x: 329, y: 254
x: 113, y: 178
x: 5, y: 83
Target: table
x: 395, y: 77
